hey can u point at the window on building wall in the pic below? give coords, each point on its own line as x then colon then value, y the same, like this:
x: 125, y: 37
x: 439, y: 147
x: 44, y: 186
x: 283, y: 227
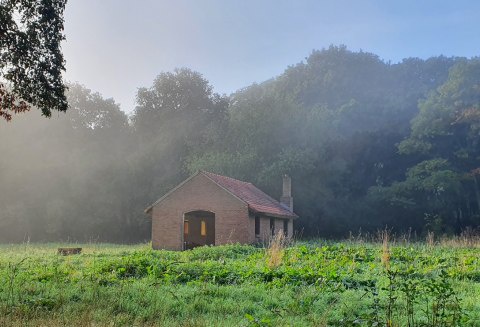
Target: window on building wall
x: 257, y: 226
x: 272, y: 226
x: 203, y: 228
x: 285, y: 227
x: 185, y: 227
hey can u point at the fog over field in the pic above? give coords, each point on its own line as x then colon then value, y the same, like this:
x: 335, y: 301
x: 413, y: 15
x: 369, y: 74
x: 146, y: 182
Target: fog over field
x: 382, y: 132
x: 368, y: 145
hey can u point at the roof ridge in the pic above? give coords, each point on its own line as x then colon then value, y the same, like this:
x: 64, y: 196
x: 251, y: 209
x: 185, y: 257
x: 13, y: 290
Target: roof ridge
x: 223, y: 176
x: 241, y: 189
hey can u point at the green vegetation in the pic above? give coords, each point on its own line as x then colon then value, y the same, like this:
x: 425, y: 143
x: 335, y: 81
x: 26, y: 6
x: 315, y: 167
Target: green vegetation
x: 316, y: 283
x: 368, y: 144
x: 31, y: 59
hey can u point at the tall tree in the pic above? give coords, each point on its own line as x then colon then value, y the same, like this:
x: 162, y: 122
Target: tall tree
x: 440, y: 191
x: 179, y: 114
x: 31, y: 61
x: 70, y: 177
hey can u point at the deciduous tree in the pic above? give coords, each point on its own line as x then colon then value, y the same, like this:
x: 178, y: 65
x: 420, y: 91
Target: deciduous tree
x: 31, y: 60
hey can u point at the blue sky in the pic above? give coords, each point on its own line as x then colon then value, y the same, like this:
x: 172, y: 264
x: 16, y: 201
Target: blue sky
x: 116, y: 46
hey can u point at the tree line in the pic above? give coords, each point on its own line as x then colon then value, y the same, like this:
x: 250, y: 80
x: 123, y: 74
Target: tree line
x: 368, y: 144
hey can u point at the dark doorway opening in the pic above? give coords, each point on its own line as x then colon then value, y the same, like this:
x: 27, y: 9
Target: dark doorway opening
x: 198, y: 229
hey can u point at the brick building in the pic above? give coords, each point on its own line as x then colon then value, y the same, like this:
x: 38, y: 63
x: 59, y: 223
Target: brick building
x: 210, y: 209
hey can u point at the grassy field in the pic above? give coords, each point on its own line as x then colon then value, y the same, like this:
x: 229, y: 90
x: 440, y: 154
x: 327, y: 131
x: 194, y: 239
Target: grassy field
x: 306, y: 284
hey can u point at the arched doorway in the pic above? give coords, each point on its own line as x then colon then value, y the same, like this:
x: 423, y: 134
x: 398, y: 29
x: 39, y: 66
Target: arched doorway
x: 198, y: 229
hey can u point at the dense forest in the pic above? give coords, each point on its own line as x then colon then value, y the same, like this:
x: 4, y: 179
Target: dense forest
x: 368, y: 144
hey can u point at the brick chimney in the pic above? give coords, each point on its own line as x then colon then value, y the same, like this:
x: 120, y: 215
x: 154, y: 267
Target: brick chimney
x: 286, y: 198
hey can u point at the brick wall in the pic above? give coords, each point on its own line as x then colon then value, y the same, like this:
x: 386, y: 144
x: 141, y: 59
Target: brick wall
x: 232, y: 223
x: 265, y: 232
x: 290, y: 228
x: 279, y: 226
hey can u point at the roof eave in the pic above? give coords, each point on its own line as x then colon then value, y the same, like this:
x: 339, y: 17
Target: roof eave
x: 269, y: 214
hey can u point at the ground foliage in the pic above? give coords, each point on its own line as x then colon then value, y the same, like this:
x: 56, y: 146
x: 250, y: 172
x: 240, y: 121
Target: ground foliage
x: 317, y: 283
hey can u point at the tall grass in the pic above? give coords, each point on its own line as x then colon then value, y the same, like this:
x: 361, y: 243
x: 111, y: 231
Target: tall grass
x: 468, y: 238
x: 384, y: 235
x: 317, y: 283
x: 276, y: 250
x: 430, y: 239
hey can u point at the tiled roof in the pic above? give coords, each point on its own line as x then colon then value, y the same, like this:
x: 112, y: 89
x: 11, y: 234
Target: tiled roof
x: 256, y: 199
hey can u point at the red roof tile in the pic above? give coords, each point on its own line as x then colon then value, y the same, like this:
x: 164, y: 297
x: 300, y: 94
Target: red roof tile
x: 256, y: 199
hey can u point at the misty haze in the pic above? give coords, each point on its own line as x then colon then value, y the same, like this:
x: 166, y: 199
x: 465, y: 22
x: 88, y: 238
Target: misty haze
x: 217, y: 163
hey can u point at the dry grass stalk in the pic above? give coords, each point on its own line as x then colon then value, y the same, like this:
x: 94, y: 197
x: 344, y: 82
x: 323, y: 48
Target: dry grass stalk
x: 469, y: 238
x: 276, y: 250
x: 385, y: 236
x: 430, y: 240
x: 406, y: 237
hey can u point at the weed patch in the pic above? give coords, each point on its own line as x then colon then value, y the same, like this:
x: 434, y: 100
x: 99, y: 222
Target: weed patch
x: 304, y: 284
